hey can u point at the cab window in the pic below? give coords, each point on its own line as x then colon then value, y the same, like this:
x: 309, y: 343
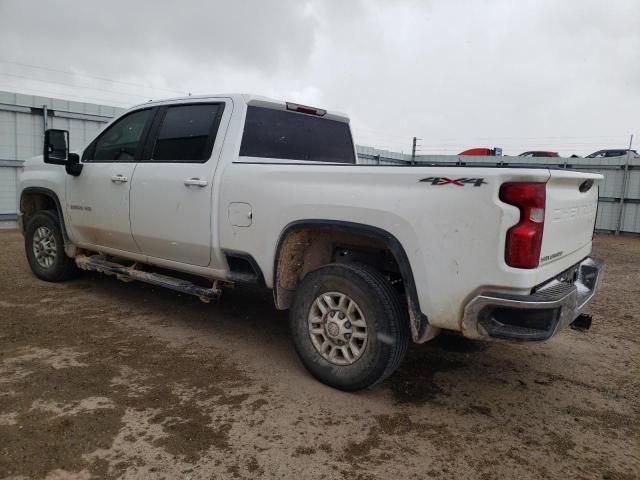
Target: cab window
x: 187, y: 133
x: 282, y: 135
x: 122, y: 141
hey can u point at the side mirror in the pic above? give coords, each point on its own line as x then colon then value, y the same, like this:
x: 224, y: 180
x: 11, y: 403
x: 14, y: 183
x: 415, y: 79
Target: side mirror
x: 56, y: 151
x: 56, y: 147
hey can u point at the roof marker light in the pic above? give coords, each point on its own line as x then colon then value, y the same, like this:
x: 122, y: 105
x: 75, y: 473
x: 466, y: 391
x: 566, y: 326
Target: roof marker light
x: 294, y: 107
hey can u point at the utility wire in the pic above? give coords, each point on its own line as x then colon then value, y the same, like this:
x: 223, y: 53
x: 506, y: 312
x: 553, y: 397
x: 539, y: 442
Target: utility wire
x: 73, y: 86
x: 62, y: 95
x: 104, y: 79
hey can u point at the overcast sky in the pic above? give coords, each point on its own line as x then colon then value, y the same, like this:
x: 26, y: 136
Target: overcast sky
x: 526, y: 74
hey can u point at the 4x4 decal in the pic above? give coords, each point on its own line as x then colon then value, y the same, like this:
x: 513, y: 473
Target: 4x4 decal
x: 459, y: 182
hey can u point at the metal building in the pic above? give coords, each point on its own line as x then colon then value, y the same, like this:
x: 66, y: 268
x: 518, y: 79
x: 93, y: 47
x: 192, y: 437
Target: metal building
x: 23, y: 119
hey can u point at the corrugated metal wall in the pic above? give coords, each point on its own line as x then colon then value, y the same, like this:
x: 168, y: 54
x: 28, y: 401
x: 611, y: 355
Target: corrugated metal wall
x: 8, y: 195
x: 619, y: 205
x: 22, y: 125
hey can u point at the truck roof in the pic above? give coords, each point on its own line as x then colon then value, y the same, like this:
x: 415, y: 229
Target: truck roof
x: 248, y: 99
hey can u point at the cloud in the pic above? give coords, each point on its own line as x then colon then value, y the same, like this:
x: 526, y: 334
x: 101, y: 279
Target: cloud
x: 526, y: 74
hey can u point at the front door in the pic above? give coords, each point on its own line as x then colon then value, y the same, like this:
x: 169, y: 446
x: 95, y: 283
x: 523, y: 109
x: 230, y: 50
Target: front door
x: 172, y: 191
x: 98, y: 199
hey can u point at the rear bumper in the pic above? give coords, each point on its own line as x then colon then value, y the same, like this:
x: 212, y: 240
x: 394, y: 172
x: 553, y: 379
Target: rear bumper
x: 538, y: 316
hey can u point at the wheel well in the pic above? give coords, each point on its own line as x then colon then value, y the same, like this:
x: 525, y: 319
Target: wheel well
x: 304, y: 250
x: 307, y: 245
x: 32, y: 202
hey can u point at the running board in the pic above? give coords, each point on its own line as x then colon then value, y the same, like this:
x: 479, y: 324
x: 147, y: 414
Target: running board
x: 127, y: 274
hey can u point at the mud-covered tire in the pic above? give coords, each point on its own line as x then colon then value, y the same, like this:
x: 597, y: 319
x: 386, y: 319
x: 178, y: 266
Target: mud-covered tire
x: 387, y: 325
x: 53, y: 265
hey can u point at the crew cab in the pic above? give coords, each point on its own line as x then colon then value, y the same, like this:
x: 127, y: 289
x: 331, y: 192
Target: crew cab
x: 201, y: 193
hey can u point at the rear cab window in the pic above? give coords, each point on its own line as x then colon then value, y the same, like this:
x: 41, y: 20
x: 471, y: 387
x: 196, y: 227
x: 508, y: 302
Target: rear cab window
x: 284, y: 135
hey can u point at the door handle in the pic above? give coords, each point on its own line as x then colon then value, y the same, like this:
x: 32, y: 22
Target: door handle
x: 119, y: 178
x: 195, y: 182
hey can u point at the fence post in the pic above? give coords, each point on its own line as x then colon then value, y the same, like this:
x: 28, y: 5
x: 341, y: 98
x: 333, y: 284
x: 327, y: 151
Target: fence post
x: 623, y: 194
x: 625, y: 179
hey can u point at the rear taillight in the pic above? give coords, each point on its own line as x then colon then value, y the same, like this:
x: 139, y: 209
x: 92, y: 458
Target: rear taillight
x: 524, y: 240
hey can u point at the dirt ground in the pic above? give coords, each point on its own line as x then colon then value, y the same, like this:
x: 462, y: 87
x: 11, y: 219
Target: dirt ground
x: 104, y: 379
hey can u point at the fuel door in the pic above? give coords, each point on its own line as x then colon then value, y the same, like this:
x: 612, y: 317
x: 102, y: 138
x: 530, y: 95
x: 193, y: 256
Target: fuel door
x: 240, y: 214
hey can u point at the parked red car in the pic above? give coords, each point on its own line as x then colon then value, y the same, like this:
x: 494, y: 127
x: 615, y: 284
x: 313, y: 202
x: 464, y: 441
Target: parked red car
x: 484, y: 152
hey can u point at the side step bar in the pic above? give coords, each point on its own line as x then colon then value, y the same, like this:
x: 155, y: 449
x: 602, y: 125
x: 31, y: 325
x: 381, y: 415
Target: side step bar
x: 127, y: 274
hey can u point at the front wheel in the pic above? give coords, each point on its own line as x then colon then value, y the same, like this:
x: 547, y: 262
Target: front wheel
x: 348, y: 326
x: 44, y: 245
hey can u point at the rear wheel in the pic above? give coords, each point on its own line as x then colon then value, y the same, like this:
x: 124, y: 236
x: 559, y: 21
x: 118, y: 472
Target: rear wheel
x: 348, y: 325
x: 44, y: 246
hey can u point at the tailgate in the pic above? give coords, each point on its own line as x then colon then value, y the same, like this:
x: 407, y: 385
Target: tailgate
x: 571, y: 206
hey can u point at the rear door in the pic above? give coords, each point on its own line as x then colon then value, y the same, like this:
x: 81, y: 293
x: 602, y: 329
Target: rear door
x: 571, y: 207
x: 98, y: 199
x: 172, y: 191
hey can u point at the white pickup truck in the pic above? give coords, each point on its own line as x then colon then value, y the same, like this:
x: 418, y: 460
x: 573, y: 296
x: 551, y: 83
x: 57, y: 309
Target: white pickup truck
x: 200, y: 193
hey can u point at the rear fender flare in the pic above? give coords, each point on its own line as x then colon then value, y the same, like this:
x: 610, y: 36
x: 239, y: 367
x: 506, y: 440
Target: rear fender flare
x: 421, y: 331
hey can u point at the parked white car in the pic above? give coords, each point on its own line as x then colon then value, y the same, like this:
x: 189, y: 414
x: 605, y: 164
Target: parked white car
x: 243, y: 189
x: 613, y: 153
